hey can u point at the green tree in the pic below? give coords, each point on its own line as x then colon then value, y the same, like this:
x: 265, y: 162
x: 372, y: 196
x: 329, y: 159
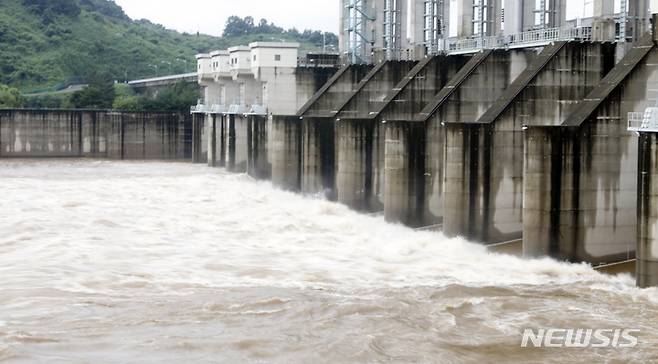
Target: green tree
x: 51, y: 9
x: 236, y: 26
x: 10, y: 97
x: 177, y: 98
x: 99, y: 94
x: 126, y: 100
x: 128, y: 103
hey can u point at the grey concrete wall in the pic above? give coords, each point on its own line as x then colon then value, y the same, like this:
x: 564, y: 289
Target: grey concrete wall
x: 371, y: 95
x: 404, y: 169
x: 360, y: 164
x: 483, y: 86
x: 588, y: 212
x: 470, y: 99
x: 309, y: 80
x: 579, y: 192
x: 199, y: 138
x: 258, y: 164
x: 326, y: 101
x: 237, y: 139
x: 94, y: 134
x: 318, y: 156
x: 647, y: 247
x: 421, y: 86
x: 484, y: 193
x: 214, y: 130
x: 285, y: 151
x: 359, y: 143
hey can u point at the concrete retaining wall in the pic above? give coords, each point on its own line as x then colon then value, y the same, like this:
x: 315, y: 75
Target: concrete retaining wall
x: 94, y: 134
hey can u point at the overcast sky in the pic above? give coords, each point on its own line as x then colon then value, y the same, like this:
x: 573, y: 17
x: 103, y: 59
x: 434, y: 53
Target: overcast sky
x: 209, y: 16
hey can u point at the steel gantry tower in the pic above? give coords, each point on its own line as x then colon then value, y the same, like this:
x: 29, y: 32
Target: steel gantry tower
x: 392, y: 29
x: 483, y: 12
x: 355, y: 21
x: 434, y: 25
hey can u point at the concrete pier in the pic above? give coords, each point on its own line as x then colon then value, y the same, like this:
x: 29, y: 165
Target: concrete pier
x: 404, y: 170
x: 580, y: 177
x: 318, y: 115
x: 237, y: 139
x: 356, y: 172
x: 318, y: 157
x: 352, y: 183
x: 413, y: 103
x: 286, y: 152
x: 360, y: 164
x: 484, y: 157
x: 647, y: 233
x: 216, y: 128
x: 258, y: 162
x: 94, y: 134
x: 199, y: 141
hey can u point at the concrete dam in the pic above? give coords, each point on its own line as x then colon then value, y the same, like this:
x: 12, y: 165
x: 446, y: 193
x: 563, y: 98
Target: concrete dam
x: 537, y: 145
x: 497, y: 146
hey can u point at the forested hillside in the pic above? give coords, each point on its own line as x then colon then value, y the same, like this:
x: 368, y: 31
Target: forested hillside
x: 47, y: 45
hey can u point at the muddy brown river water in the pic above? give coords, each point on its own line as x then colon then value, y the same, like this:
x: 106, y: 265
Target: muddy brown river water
x: 108, y: 262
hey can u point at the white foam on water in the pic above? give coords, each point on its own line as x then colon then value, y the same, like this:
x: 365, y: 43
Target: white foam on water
x: 129, y: 231
x: 155, y: 225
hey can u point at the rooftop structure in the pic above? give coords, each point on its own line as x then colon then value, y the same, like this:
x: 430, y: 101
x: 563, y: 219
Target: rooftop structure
x: 261, y: 78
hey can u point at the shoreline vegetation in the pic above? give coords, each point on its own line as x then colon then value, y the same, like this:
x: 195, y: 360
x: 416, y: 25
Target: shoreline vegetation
x: 60, y: 53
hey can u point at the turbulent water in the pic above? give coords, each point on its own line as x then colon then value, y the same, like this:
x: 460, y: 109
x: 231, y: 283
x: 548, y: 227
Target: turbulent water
x: 175, y: 263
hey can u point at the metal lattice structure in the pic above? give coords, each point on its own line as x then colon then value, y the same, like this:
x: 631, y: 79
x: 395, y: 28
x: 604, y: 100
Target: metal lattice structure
x: 434, y: 25
x: 392, y: 29
x: 482, y: 23
x: 540, y: 15
x: 355, y: 21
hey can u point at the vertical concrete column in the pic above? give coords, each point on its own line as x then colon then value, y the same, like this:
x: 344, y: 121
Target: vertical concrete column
x: 286, y: 152
x: 404, y: 172
x: 211, y: 123
x: 483, y: 188
x: 199, y: 154
x: 114, y: 135
x: 257, y: 161
x: 238, y: 144
x: 460, y: 149
x: 578, y: 204
x: 546, y: 193
x: 434, y: 172
x: 647, y: 246
x: 220, y: 139
x: 230, y: 142
x: 378, y: 176
x: 318, y: 157
x: 354, y: 138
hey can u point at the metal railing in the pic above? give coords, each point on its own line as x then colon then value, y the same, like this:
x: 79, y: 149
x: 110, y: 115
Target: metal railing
x: 544, y: 36
x: 237, y: 109
x: 533, y: 38
x: 232, y: 109
x: 635, y: 121
x: 217, y: 109
x: 200, y: 108
x: 257, y: 110
x: 646, y: 121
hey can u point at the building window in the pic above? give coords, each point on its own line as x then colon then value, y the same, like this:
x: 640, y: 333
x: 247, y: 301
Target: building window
x: 277, y: 57
x: 254, y: 58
